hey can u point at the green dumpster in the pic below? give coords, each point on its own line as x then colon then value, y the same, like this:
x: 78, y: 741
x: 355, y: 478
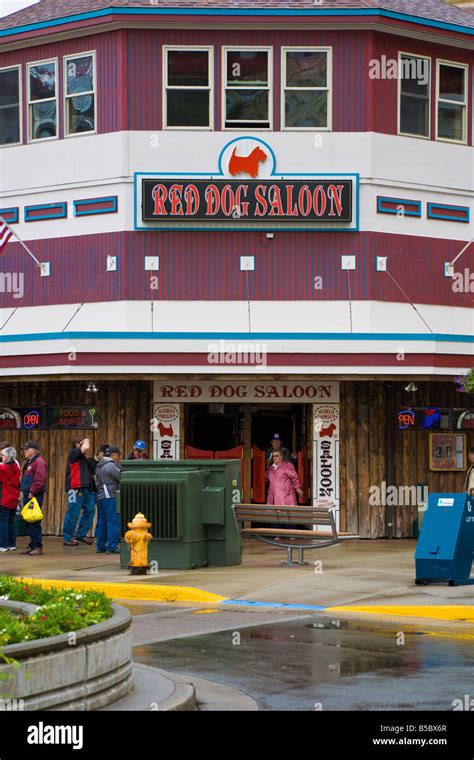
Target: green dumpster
x: 189, y: 504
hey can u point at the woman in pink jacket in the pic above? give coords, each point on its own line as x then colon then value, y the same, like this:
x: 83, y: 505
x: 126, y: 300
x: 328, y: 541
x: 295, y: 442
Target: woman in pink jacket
x: 283, y: 482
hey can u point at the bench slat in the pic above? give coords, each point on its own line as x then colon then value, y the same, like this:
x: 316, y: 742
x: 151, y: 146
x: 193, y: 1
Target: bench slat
x: 286, y: 532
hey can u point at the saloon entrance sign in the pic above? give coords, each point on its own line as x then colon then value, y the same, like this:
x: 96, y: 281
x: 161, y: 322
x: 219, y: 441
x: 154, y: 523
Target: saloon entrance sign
x: 246, y: 391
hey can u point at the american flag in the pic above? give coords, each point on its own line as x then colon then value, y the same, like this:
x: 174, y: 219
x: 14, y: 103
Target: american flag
x: 5, y: 234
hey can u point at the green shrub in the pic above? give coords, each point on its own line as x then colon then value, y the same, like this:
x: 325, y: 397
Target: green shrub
x: 60, y: 611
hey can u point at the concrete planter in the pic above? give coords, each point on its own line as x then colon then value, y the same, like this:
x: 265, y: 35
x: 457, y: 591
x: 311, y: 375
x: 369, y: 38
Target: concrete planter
x: 81, y: 670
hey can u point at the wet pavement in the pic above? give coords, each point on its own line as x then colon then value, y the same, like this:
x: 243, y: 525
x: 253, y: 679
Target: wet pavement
x: 320, y: 663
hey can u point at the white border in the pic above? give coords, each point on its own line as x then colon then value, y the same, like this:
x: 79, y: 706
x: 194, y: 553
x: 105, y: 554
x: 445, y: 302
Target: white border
x: 198, y: 48
x: 455, y: 64
x: 67, y: 97
x: 54, y: 60
x: 430, y: 99
x: 329, y: 89
x: 17, y: 66
x: 235, y: 128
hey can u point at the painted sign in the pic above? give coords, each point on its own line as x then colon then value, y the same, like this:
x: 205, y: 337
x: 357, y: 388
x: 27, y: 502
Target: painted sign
x: 71, y: 417
x: 217, y: 200
x: 246, y: 391
x: 326, y: 456
x: 165, y: 428
x: 21, y: 418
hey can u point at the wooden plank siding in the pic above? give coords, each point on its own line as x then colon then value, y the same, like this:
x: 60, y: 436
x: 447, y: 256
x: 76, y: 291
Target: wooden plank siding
x: 364, y: 422
x: 124, y: 413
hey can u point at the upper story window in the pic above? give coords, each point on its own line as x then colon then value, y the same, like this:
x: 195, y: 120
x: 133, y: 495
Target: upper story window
x: 42, y: 100
x: 451, y: 102
x: 187, y: 96
x: 10, y: 126
x: 247, y: 90
x: 414, y: 99
x: 306, y: 76
x: 79, y: 92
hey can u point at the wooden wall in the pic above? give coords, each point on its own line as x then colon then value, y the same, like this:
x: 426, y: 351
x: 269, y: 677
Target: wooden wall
x: 369, y: 454
x: 123, y: 412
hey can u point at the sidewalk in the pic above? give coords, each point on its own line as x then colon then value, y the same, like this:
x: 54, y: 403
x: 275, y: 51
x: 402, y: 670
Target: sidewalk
x: 354, y: 577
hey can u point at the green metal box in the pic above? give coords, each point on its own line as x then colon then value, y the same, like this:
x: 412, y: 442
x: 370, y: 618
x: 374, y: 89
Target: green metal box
x: 189, y: 504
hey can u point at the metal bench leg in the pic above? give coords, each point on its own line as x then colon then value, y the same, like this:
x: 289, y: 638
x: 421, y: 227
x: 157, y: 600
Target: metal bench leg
x: 300, y: 556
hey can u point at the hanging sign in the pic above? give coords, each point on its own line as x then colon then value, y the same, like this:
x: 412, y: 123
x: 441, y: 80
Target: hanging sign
x: 246, y: 391
x: 165, y: 428
x: 326, y: 456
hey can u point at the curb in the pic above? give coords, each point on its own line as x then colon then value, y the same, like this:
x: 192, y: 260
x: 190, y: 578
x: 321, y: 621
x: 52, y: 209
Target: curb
x: 138, y: 591
x: 183, y: 699
x: 455, y: 613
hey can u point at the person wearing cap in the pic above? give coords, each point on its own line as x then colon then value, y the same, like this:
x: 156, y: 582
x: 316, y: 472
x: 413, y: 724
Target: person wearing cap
x: 108, y: 478
x: 79, y: 495
x: 276, y: 444
x: 34, y: 478
x: 10, y: 474
x: 138, y: 451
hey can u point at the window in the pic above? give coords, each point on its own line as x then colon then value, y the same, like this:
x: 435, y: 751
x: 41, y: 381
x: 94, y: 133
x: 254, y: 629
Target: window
x: 79, y: 94
x: 451, y: 102
x: 188, y: 76
x: 42, y: 100
x: 414, y: 103
x: 247, y: 89
x: 306, y: 88
x: 10, y: 133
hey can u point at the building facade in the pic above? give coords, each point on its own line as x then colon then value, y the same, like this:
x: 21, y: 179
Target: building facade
x: 247, y: 220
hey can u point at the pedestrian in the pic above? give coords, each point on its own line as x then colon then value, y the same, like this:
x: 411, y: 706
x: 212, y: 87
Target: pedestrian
x: 108, y: 479
x: 276, y: 444
x: 138, y: 451
x: 98, y: 456
x: 6, y: 445
x: 10, y: 475
x: 469, y: 479
x: 283, y: 481
x: 79, y: 494
x: 34, y: 478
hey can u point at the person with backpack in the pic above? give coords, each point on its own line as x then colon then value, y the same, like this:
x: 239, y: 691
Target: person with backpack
x: 34, y: 478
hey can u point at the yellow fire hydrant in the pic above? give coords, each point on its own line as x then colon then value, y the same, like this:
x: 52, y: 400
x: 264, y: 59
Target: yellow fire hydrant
x: 138, y: 538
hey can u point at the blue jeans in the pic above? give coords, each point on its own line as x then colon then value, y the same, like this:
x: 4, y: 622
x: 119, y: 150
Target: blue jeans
x: 107, y: 529
x: 78, y: 499
x: 35, y: 532
x: 7, y: 527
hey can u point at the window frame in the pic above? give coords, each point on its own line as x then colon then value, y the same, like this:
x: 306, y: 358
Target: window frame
x: 328, y: 49
x: 67, y: 97
x: 29, y: 103
x: 440, y: 62
x: 430, y: 98
x: 17, y: 66
x: 235, y: 128
x: 210, y: 88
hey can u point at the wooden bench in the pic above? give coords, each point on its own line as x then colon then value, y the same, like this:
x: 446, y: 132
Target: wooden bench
x: 303, y: 539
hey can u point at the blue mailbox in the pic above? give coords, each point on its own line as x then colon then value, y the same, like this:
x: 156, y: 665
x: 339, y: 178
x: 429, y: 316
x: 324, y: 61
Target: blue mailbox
x: 446, y: 544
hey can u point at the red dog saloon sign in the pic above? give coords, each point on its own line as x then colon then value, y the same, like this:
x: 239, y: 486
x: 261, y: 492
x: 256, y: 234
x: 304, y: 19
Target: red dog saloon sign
x: 318, y: 200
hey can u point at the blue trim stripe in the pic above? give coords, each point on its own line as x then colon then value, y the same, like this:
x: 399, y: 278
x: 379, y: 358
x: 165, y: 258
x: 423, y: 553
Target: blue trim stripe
x: 399, y: 202
x: 4, y: 212
x: 279, y: 605
x: 57, y: 211
x: 81, y: 206
x: 444, y: 217
x: 237, y: 12
x: 431, y: 337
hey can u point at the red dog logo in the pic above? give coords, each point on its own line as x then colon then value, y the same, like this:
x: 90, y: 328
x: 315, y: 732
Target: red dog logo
x: 247, y: 164
x: 165, y: 430
x: 327, y: 431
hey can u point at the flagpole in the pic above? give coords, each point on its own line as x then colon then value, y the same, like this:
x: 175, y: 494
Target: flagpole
x: 21, y: 242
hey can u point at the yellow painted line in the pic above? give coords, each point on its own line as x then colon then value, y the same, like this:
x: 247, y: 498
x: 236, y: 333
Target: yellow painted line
x: 438, y: 612
x: 138, y: 591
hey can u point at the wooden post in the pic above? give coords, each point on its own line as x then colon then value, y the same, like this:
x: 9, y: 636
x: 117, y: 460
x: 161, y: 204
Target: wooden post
x: 247, y: 454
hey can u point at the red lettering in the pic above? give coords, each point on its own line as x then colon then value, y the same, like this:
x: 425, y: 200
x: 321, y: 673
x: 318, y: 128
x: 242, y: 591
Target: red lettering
x: 175, y: 198
x: 242, y: 206
x: 260, y: 191
x: 227, y: 200
x: 305, y: 200
x: 159, y: 195
x: 291, y: 208
x: 166, y: 391
x: 275, y: 201
x: 319, y: 200
x: 335, y: 196
x: 191, y: 196
x: 213, y: 200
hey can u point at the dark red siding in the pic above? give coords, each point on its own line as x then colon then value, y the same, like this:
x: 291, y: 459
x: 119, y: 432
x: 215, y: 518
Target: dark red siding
x: 198, y: 266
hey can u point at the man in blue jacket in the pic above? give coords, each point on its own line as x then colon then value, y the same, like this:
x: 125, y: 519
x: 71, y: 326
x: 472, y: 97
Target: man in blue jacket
x: 34, y: 478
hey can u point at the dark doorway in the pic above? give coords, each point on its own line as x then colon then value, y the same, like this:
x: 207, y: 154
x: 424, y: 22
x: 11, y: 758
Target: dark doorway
x: 265, y: 425
x: 212, y: 431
